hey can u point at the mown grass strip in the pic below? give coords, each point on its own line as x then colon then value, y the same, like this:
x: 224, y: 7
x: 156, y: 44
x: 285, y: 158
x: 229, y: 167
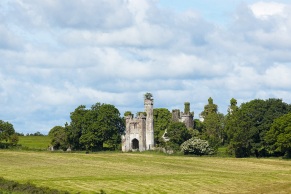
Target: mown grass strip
x: 146, y: 173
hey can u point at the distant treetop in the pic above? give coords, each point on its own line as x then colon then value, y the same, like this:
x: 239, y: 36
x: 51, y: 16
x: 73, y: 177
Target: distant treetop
x: 148, y: 96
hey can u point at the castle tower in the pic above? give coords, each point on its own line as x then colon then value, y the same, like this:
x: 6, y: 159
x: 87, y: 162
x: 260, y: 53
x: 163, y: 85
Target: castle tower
x: 148, y: 106
x: 187, y: 116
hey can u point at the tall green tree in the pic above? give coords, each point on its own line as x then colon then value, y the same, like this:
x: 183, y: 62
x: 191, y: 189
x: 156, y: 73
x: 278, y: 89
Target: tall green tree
x: 230, y: 120
x: 249, y: 124
x: 162, y: 119
x: 209, y: 108
x: 101, y: 125
x: 79, y: 122
x: 111, y: 125
x: 59, y: 138
x: 6, y: 131
x: 213, y: 124
x: 278, y: 137
x: 91, y: 129
x: 177, y: 133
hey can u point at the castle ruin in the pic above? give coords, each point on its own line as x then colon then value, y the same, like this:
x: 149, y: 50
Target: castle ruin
x: 139, y: 133
x: 185, y: 117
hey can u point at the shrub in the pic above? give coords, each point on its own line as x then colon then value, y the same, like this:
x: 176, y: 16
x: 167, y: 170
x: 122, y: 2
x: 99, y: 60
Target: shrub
x: 196, y: 146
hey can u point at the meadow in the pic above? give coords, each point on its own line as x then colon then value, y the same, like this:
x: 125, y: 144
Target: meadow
x: 145, y: 172
x: 34, y: 142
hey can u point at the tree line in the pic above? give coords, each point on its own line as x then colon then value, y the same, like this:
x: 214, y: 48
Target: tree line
x: 260, y: 128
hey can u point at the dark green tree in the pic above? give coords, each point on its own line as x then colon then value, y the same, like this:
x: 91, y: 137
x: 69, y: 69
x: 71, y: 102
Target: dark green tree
x: 111, y: 125
x: 6, y: 131
x: 59, y: 138
x: 230, y: 119
x: 162, y: 119
x: 213, y: 124
x: 248, y: 126
x: 209, y: 108
x: 79, y: 122
x: 103, y: 125
x: 198, y: 125
x: 278, y: 138
x: 14, y: 139
x: 177, y: 134
x: 91, y: 129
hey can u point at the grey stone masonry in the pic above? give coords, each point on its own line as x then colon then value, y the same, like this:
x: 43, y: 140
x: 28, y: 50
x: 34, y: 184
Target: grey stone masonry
x: 139, y: 133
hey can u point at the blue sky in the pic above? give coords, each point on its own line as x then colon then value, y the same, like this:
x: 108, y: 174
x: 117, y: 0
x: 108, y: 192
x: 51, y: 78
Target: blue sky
x: 57, y: 55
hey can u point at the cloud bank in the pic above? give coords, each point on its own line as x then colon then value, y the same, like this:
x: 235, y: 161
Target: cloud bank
x: 57, y: 55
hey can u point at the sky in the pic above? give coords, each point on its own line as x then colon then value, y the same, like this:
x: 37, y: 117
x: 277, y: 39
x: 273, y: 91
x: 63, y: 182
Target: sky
x: 56, y: 55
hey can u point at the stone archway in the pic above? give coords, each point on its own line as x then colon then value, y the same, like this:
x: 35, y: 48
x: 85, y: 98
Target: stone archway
x: 135, y: 144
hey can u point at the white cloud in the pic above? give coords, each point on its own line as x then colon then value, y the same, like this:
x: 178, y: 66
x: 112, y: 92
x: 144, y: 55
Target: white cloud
x: 263, y: 10
x: 56, y: 55
x: 278, y: 76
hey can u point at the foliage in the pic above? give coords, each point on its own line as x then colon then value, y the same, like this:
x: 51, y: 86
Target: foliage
x: 148, y: 96
x: 279, y: 136
x: 162, y: 118
x: 12, y: 186
x: 187, y: 108
x: 91, y: 128
x: 35, y: 134
x: 177, y: 133
x: 196, y: 146
x: 14, y: 139
x: 7, y: 134
x: 6, y: 131
x: 246, y: 128
x: 58, y: 138
x: 77, y: 125
x: 198, y: 125
x: 213, y: 124
x: 127, y: 113
x: 209, y: 108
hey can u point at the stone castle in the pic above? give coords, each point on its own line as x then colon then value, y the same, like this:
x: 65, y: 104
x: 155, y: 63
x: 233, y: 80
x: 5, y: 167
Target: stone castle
x: 139, y: 133
x: 185, y: 117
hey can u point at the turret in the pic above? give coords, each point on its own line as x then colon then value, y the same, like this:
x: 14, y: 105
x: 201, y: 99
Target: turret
x: 148, y: 106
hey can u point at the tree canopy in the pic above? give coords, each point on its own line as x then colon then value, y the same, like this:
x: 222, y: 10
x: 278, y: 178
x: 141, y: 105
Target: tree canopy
x: 213, y: 121
x: 91, y: 129
x: 6, y: 131
x: 177, y: 133
x: 246, y: 128
x: 278, y: 138
x: 162, y: 119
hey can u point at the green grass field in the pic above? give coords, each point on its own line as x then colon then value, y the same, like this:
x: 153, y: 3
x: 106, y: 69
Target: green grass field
x: 35, y: 142
x: 146, y: 173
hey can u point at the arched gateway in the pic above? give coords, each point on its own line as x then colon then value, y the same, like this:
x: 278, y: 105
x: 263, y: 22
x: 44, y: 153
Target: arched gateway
x: 135, y: 144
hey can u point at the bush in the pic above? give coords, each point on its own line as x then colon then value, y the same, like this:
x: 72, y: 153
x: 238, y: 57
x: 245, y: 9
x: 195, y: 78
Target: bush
x: 196, y: 146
